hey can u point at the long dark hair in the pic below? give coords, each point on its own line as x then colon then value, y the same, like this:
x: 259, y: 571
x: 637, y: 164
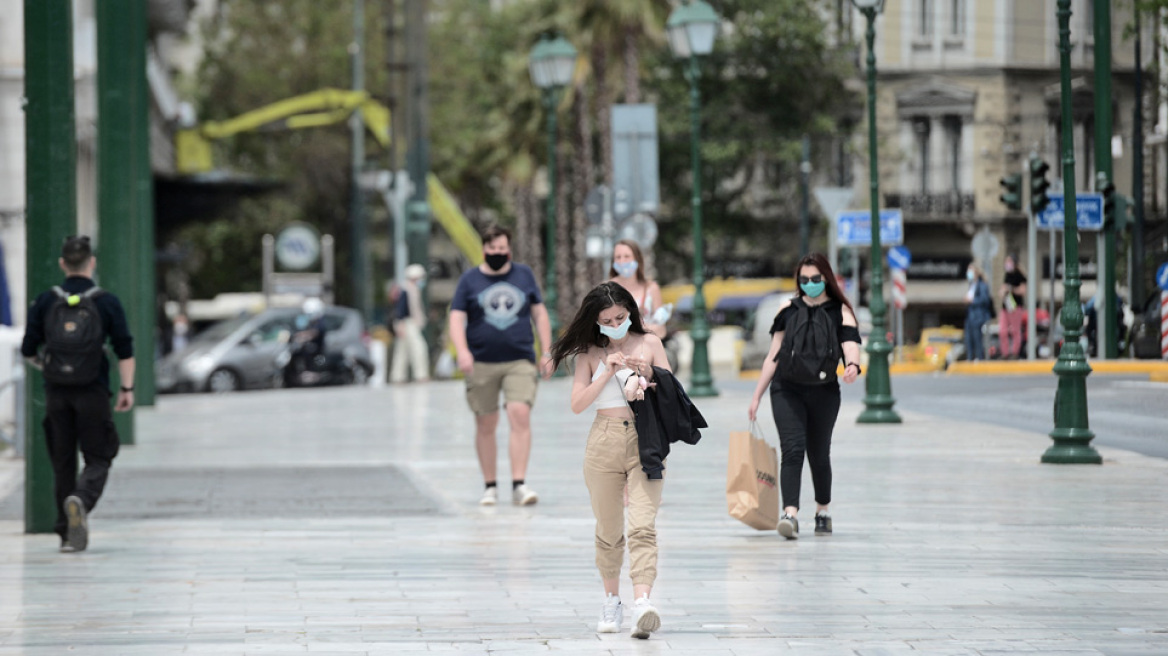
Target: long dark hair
x: 820, y: 262
x: 584, y: 333
x: 637, y: 255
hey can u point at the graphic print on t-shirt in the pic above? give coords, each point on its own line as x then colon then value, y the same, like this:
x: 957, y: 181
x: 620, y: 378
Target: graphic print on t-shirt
x: 501, y: 303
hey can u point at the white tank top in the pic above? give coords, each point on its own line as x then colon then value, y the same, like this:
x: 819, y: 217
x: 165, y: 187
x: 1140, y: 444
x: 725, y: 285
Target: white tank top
x: 611, y: 396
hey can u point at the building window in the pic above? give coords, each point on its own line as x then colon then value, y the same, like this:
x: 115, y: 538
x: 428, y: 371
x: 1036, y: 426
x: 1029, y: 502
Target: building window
x: 953, y: 144
x: 921, y: 128
x: 925, y: 18
x: 957, y: 18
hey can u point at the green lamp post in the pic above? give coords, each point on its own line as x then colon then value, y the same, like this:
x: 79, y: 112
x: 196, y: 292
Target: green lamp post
x: 691, y: 29
x: 1071, y: 434
x: 552, y: 63
x: 878, y: 401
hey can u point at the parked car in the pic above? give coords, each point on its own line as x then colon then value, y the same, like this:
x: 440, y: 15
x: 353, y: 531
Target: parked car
x: 248, y: 352
x: 936, y: 345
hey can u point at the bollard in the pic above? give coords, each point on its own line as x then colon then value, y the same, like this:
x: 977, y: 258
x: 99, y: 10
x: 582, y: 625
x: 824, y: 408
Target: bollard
x: 18, y: 410
x: 379, y: 353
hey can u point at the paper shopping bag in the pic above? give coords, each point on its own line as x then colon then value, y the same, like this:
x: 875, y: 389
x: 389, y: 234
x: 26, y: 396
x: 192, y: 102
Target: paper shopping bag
x: 752, y: 474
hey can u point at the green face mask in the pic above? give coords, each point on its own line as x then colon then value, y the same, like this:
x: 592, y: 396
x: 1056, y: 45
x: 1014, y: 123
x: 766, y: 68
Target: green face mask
x: 813, y: 289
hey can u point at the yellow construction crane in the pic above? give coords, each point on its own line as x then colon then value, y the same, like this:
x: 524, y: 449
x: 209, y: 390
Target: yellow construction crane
x: 316, y: 109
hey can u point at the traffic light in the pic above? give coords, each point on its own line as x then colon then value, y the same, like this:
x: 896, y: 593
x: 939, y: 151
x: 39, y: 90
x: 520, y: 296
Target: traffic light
x: 1012, y: 196
x: 1107, y: 188
x: 1038, y: 185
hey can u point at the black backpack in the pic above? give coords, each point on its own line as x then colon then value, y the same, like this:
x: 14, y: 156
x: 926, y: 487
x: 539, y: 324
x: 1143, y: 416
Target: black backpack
x: 810, y: 351
x: 74, y: 338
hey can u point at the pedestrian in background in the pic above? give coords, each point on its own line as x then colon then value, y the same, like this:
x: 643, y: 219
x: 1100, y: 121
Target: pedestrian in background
x: 490, y: 323
x: 1013, y: 293
x: 73, y: 322
x: 611, y: 346
x: 409, y: 347
x: 809, y: 334
x: 979, y: 311
x: 628, y: 270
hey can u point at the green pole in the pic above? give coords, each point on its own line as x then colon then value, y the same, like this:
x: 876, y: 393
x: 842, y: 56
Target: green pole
x: 125, y: 261
x: 1071, y: 434
x: 418, y: 155
x: 550, y: 295
x: 358, y: 237
x: 51, y: 214
x: 878, y: 402
x: 144, y: 393
x: 1103, y: 165
x: 701, y: 383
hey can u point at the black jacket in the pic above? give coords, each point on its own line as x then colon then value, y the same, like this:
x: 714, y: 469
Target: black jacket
x: 665, y: 416
x: 113, y: 317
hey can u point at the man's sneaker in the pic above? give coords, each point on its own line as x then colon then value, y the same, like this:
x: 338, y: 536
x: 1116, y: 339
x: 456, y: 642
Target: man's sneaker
x: 78, y: 531
x: 822, y: 524
x: 645, y: 619
x: 789, y: 527
x: 490, y: 496
x: 612, y: 613
x: 523, y: 496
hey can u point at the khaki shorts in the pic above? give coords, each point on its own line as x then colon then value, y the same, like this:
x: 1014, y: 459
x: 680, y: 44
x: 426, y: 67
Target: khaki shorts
x: 518, y: 380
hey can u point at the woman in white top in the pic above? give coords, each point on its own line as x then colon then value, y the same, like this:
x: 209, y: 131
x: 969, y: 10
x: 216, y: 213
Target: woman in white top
x: 628, y: 270
x: 614, y: 357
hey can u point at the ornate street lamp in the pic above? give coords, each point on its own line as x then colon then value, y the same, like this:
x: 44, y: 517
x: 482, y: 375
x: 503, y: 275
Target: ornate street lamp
x: 879, y: 399
x: 1071, y: 434
x: 691, y: 30
x: 552, y: 63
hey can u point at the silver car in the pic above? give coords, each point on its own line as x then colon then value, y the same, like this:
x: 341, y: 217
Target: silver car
x: 248, y: 352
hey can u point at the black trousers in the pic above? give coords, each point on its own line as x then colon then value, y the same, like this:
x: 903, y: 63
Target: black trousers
x: 805, y: 416
x: 79, y: 418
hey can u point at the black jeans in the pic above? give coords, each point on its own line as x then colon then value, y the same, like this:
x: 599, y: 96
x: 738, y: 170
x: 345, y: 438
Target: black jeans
x: 79, y: 417
x: 805, y: 416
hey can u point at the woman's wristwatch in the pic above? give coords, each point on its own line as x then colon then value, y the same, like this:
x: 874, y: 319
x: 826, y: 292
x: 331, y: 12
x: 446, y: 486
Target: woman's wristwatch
x: 856, y: 365
x: 127, y: 389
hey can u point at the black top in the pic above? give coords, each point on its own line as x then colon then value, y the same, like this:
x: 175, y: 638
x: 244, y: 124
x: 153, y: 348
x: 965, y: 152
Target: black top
x: 1013, y: 279
x: 113, y: 318
x: 666, y: 415
x: 835, y: 312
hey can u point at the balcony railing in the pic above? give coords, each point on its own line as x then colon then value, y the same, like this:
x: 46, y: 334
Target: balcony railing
x: 948, y: 204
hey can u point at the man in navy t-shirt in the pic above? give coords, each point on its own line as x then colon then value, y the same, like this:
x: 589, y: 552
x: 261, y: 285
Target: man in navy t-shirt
x: 490, y: 324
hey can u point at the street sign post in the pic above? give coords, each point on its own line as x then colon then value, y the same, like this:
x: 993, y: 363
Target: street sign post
x: 854, y: 228
x: 833, y: 200
x: 899, y: 259
x: 1088, y: 207
x: 1162, y: 282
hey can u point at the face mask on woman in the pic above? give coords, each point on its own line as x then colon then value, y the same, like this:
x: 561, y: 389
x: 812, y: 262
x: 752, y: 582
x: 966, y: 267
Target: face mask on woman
x: 813, y: 289
x: 616, y: 333
x: 625, y: 269
x: 969, y: 276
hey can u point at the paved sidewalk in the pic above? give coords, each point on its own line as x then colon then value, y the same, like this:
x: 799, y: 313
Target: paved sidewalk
x: 346, y: 521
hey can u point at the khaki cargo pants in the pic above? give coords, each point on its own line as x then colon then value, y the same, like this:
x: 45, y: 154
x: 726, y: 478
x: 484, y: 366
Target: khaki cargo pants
x: 611, y: 460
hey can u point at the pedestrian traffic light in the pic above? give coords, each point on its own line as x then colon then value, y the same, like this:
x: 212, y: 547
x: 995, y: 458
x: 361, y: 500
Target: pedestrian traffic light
x: 1012, y: 196
x: 1038, y: 185
x: 1107, y: 188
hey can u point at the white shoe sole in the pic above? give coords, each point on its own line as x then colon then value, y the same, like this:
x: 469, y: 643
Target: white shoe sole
x: 526, y: 501
x: 787, y: 530
x: 647, y: 623
x: 607, y: 628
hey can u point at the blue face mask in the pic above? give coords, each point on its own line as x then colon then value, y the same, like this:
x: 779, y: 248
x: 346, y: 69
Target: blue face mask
x: 616, y: 333
x: 625, y: 269
x: 813, y: 289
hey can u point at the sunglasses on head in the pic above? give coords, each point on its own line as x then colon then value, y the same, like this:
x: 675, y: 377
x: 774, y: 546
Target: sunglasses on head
x: 803, y: 280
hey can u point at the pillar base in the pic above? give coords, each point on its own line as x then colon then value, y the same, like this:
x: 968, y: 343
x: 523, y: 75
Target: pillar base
x: 1072, y: 447
x: 702, y: 390
x: 878, y: 415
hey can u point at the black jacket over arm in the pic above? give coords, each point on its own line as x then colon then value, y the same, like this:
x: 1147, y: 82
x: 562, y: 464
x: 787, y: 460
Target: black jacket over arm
x: 666, y: 415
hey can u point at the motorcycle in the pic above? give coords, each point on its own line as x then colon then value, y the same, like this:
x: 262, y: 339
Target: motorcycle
x: 306, y: 364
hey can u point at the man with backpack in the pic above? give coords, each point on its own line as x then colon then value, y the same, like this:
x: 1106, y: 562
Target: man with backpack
x: 73, y: 321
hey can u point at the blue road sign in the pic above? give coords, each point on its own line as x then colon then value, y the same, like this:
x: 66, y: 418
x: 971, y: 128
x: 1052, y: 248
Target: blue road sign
x: 854, y: 228
x: 1162, y: 277
x: 899, y: 257
x: 1089, y: 207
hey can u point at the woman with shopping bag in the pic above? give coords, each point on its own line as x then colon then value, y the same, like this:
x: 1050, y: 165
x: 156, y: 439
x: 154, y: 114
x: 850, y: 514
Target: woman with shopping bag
x: 615, y: 359
x: 810, y: 334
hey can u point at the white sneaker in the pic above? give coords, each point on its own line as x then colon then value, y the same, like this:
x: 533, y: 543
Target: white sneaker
x: 645, y: 619
x: 490, y: 497
x: 524, y: 496
x: 612, y: 613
